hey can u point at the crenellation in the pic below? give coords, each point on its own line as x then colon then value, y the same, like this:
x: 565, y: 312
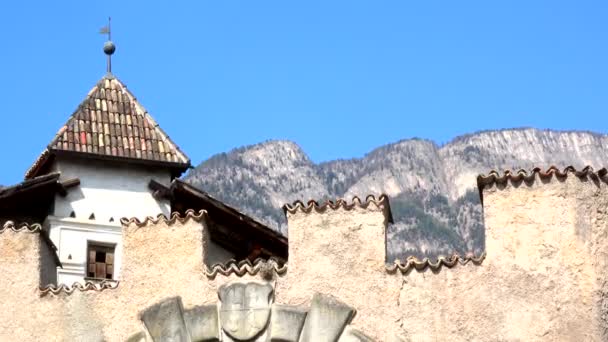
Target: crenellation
x: 542, y: 277
x: 317, y: 230
x: 40, y: 243
x: 162, y: 251
x: 332, y: 251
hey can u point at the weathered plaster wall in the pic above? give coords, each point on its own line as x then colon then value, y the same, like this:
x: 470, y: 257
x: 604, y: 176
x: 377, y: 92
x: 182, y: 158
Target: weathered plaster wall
x: 341, y: 252
x: 543, y: 278
x: 552, y: 234
x: 160, y: 260
x: 20, y: 266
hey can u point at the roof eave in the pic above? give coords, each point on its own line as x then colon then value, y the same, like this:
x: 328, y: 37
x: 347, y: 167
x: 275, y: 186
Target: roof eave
x: 227, y: 208
x: 43, y: 160
x: 179, y: 166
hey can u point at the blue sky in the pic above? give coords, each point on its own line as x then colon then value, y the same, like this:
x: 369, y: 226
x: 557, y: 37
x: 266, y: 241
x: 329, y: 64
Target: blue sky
x: 337, y: 77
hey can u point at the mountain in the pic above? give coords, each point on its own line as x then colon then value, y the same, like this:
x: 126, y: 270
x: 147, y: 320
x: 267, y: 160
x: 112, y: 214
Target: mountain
x: 432, y: 188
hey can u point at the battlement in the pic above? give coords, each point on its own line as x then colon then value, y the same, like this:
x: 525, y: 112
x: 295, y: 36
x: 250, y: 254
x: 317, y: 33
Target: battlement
x: 27, y: 247
x: 337, y: 234
x: 542, y: 277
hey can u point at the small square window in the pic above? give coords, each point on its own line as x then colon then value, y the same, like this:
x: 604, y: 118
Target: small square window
x: 100, y: 261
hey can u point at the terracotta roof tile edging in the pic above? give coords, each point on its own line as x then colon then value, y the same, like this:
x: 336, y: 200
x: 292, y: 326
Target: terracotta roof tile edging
x: 339, y: 203
x: 449, y: 262
x: 87, y: 286
x: 30, y: 228
x: 240, y: 268
x: 174, y: 217
x: 44, y: 155
x: 33, y: 228
x: 494, y: 177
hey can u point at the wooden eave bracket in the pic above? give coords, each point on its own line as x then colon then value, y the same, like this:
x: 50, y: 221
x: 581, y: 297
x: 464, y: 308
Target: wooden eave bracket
x: 63, y: 186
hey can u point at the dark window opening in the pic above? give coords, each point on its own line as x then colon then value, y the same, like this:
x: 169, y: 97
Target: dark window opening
x: 100, y: 261
x: 100, y: 256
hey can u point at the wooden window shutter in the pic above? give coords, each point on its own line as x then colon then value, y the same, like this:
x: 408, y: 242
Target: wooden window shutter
x: 100, y: 261
x: 109, y: 264
x: 110, y: 257
x: 91, y: 269
x: 100, y: 270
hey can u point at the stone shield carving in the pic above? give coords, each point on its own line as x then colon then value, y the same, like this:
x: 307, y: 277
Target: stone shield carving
x: 247, y: 312
x: 245, y: 309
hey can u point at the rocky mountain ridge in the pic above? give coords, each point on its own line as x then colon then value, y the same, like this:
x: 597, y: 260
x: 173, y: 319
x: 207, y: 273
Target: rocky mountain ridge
x: 432, y: 188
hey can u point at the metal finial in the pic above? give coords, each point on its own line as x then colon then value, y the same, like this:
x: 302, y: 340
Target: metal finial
x: 108, y: 47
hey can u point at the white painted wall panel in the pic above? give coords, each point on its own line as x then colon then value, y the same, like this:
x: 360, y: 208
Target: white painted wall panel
x: 109, y: 191
x: 71, y: 236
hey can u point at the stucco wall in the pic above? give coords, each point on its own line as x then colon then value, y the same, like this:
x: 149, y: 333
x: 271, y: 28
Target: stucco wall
x: 551, y: 234
x: 542, y: 277
x: 20, y: 266
x: 160, y: 260
x: 542, y: 280
x: 341, y: 252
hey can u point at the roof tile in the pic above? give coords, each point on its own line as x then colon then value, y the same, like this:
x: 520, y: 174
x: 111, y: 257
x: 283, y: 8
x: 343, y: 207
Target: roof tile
x: 111, y: 122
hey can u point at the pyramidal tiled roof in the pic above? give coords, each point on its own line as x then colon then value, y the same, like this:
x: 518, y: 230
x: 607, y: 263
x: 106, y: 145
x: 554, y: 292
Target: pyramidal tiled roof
x: 110, y: 123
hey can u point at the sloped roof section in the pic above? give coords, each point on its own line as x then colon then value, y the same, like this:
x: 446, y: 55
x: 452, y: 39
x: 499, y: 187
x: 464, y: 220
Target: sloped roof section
x: 111, y: 124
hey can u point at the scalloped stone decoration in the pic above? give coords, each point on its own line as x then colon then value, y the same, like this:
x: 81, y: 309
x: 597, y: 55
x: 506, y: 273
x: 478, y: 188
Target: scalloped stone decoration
x: 247, y: 312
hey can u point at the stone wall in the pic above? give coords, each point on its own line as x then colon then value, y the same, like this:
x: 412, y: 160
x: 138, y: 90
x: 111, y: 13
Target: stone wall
x: 543, y: 278
x: 162, y: 258
x: 339, y: 250
x: 21, y: 248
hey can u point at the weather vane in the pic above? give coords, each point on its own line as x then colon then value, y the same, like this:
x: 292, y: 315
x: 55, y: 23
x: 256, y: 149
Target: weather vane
x: 108, y: 47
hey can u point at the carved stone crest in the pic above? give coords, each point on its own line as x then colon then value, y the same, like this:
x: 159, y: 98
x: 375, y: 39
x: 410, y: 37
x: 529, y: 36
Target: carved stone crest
x: 245, y: 309
x: 247, y: 313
